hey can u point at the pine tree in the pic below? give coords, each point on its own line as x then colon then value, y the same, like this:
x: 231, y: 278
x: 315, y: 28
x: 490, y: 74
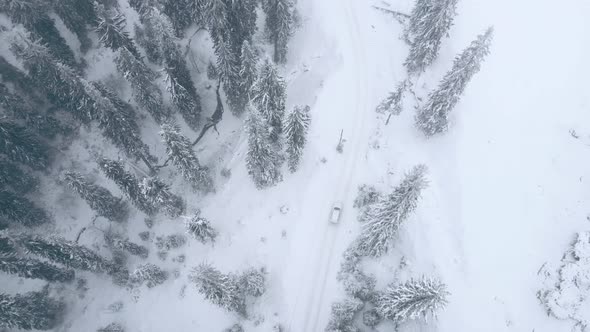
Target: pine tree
x: 77, y: 15
x: 247, y: 76
x: 150, y: 274
x: 343, y: 315
x: 116, y: 242
x: 227, y: 69
x: 296, y: 127
x: 21, y: 83
x: 146, y: 38
x: 279, y: 26
x: 430, y: 21
x: 263, y: 161
x: 112, y: 327
x: 33, y: 15
x: 19, y: 210
x: 268, y: 96
x: 67, y: 253
x: 433, y: 117
x: 22, y: 146
x: 128, y: 183
x: 252, y: 282
x: 110, y: 27
x: 34, y: 269
x: 179, y: 150
x: 412, y: 300
x: 159, y: 194
x: 19, y: 181
x: 382, y: 220
x: 100, y: 199
x: 184, y: 102
x: 180, y: 17
x: 241, y: 20
x: 393, y: 103
x: 220, y: 289
x: 200, y: 228
x: 32, y: 310
x: 147, y: 95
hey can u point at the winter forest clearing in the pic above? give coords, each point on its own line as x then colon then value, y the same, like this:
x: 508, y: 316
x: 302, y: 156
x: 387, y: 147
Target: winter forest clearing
x: 176, y: 165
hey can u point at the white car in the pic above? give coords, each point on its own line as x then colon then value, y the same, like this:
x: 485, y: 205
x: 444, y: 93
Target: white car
x: 336, y: 212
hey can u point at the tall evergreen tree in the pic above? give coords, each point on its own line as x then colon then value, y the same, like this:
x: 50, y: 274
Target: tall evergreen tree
x: 221, y: 289
x: 30, y: 311
x: 247, y: 75
x: 342, y: 318
x: 179, y: 14
x: 77, y: 15
x: 67, y: 253
x: 381, y: 220
x: 279, y: 26
x: 146, y: 94
x: 412, y: 300
x: 268, y: 96
x: 263, y: 161
x: 184, y: 102
x: 34, y: 269
x: 253, y: 281
x: 100, y: 199
x: 160, y: 195
x: 20, y: 145
x: 110, y: 27
x: 296, y: 127
x: 128, y: 183
x: 430, y: 21
x: 19, y: 210
x: 33, y: 15
x: 393, y: 103
x: 145, y: 36
x: 228, y: 71
x: 179, y: 150
x: 200, y: 229
x: 433, y: 117
x: 19, y: 181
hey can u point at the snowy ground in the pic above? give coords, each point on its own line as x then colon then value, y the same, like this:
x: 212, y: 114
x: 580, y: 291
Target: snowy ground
x: 508, y: 183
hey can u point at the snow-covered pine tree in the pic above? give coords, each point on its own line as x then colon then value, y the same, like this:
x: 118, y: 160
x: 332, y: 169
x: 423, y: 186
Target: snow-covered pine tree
x: 179, y: 14
x: 33, y: 15
x: 146, y: 94
x: 268, y: 96
x: 412, y: 300
x: 393, y: 103
x: 221, y: 289
x: 433, y: 117
x: 21, y: 83
x: 67, y: 253
x: 183, y: 101
x: 296, y: 126
x: 34, y: 269
x: 343, y: 315
x: 128, y: 183
x: 241, y: 22
x: 159, y: 194
x: 21, y: 211
x: 381, y: 220
x: 30, y: 311
x: 263, y: 160
x: 200, y: 228
x: 248, y: 72
x: 117, y: 242
x: 430, y: 21
x: 279, y: 26
x: 18, y: 144
x: 110, y: 27
x: 100, y: 199
x: 13, y: 177
x: 228, y: 71
x: 253, y: 282
x: 146, y: 37
x: 150, y: 274
x: 112, y: 327
x: 77, y: 15
x: 179, y: 150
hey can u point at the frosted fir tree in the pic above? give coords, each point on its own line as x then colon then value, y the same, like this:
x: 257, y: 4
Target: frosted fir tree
x: 220, y: 289
x: 145, y: 93
x: 13, y: 177
x: 77, y: 15
x: 21, y: 211
x: 110, y: 27
x: 296, y: 127
x: 183, y: 101
x: 393, y: 103
x: 248, y: 73
x: 268, y: 96
x: 67, y: 253
x: 117, y: 242
x: 30, y: 311
x: 343, y: 313
x: 128, y: 183
x: 415, y: 299
x: 433, y: 117
x: 159, y: 194
x: 179, y: 150
x: 253, y: 282
x: 148, y: 274
x: 263, y: 160
x: 228, y: 71
x: 145, y: 36
x: 34, y: 269
x: 279, y: 26
x: 382, y: 220
x: 20, y: 145
x: 430, y: 21
x: 200, y: 228
x: 179, y: 14
x: 100, y: 199
x: 33, y: 15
